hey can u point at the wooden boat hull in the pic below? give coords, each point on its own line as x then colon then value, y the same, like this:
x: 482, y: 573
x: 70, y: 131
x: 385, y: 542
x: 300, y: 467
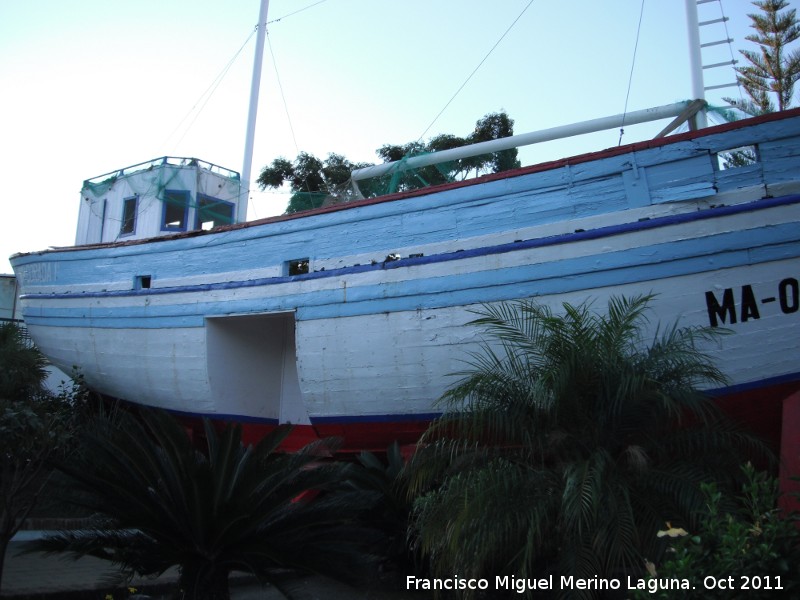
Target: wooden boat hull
x: 365, y: 342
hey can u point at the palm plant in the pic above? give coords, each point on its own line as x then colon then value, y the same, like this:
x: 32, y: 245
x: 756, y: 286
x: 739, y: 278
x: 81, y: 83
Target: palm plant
x: 161, y: 502
x: 568, y: 443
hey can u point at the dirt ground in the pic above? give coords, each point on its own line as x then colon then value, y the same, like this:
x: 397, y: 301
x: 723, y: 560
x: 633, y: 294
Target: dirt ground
x: 320, y: 588
x: 59, y: 577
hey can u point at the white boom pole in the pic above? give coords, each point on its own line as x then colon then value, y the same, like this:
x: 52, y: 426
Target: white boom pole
x: 241, y: 212
x: 525, y: 139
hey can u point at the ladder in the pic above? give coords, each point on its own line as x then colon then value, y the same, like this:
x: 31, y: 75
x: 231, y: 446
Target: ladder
x: 727, y: 40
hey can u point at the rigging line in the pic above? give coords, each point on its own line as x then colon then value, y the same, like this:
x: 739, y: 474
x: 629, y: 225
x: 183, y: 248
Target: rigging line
x: 630, y: 77
x: 299, y: 10
x: 475, y: 70
x: 285, y: 104
x: 200, y: 110
x: 730, y: 49
x: 280, y: 89
x: 208, y: 92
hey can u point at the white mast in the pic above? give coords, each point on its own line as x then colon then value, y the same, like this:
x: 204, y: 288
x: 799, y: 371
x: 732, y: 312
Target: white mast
x: 695, y: 60
x: 241, y: 212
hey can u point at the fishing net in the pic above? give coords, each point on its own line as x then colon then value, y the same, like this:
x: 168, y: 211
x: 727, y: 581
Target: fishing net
x: 154, y: 183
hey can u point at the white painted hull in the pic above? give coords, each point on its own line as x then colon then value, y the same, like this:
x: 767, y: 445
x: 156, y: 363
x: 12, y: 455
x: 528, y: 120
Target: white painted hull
x: 365, y: 342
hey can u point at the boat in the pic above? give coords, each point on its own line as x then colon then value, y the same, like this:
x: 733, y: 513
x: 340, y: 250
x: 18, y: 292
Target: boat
x: 350, y: 319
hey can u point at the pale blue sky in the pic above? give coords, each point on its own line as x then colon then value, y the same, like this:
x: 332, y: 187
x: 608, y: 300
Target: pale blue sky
x: 92, y: 86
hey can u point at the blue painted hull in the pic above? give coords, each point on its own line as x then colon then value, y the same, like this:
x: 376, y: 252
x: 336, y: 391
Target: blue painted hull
x: 363, y: 344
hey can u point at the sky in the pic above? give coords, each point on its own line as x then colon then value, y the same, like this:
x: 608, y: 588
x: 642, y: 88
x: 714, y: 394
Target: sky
x: 94, y: 86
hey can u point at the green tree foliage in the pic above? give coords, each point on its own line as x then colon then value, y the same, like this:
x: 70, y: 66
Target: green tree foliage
x: 491, y: 127
x: 35, y: 426
x: 755, y: 544
x: 568, y: 443
x: 315, y: 183
x: 162, y: 502
x: 772, y: 71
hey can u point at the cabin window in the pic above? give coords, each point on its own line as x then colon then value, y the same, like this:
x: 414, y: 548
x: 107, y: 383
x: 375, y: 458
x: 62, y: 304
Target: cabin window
x: 744, y: 156
x: 129, y: 215
x: 298, y: 266
x: 212, y: 212
x: 176, y: 210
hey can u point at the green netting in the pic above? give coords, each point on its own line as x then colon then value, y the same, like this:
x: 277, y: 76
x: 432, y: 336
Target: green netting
x: 301, y: 201
x: 404, y: 178
x: 316, y: 183
x: 727, y: 113
x: 143, y: 183
x: 216, y: 212
x: 99, y: 188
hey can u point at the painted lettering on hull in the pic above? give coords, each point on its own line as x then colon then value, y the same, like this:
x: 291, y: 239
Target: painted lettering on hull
x: 743, y: 304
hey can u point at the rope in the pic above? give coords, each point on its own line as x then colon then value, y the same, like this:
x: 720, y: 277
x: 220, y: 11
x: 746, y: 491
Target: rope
x: 475, y: 70
x: 630, y: 77
x: 207, y: 94
x: 280, y: 88
x: 299, y: 10
x: 730, y: 49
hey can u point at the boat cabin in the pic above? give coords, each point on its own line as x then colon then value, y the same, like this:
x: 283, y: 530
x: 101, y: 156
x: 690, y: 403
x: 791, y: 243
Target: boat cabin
x: 160, y: 197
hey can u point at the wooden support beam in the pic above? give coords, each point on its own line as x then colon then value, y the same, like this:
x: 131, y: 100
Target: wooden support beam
x: 689, y: 112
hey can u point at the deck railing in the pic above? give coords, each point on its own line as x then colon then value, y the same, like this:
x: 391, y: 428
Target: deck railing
x: 177, y: 161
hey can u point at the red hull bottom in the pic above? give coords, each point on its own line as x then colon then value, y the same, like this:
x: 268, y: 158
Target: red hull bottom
x: 356, y: 437
x: 759, y: 410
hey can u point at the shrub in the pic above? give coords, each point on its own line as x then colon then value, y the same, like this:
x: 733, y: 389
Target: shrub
x: 756, y: 546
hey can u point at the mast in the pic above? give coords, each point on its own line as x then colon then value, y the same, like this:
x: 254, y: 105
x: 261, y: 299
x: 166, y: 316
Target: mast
x: 695, y: 60
x: 241, y: 212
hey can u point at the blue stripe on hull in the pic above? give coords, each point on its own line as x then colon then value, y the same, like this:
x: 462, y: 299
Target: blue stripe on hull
x: 388, y: 418
x: 428, y: 416
x: 594, y: 234
x: 752, y: 386
x: 728, y: 250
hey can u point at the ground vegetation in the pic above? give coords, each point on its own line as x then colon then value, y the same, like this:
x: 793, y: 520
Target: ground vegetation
x: 37, y: 426
x: 161, y: 501
x: 570, y: 440
x: 750, y: 550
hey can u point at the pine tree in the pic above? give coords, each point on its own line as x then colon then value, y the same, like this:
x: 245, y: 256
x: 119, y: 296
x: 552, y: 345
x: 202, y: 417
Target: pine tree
x: 772, y: 70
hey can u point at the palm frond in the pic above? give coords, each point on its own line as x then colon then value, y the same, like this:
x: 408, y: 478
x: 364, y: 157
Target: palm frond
x: 571, y: 434
x: 163, y: 502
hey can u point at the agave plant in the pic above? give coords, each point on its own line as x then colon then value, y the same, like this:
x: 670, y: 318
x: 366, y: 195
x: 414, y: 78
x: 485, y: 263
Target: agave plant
x: 568, y: 442
x: 390, y: 513
x: 161, y: 502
